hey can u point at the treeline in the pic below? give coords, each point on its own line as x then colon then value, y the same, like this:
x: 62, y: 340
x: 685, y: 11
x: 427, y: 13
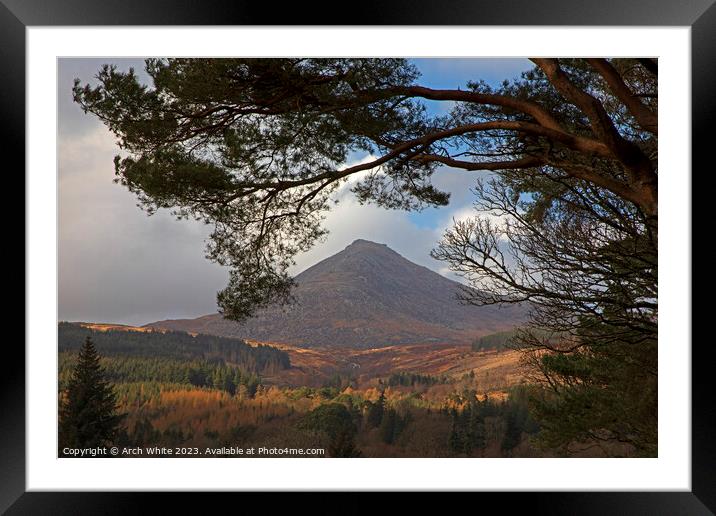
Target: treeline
x: 411, y: 379
x: 177, y: 346
x: 497, y: 341
x: 508, y: 338
x: 198, y: 373
x: 174, y: 414
x: 469, y: 426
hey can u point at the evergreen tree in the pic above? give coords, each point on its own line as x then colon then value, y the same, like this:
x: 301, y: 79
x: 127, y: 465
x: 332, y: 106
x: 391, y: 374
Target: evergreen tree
x: 343, y: 445
x: 336, y: 422
x: 477, y: 429
x: 387, y: 426
x: 455, y: 439
x: 513, y: 429
x: 144, y: 433
x: 88, y: 412
x: 375, y: 411
x: 252, y: 385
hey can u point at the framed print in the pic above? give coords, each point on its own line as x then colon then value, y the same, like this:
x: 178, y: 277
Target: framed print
x: 423, y: 245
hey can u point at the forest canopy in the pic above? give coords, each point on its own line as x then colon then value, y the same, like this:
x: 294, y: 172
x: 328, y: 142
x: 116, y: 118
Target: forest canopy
x: 174, y: 345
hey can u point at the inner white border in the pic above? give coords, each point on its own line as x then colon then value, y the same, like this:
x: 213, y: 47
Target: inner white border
x: 671, y: 471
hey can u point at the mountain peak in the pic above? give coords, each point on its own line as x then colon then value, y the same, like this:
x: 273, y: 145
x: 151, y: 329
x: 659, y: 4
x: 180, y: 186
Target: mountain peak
x: 366, y: 296
x: 360, y: 242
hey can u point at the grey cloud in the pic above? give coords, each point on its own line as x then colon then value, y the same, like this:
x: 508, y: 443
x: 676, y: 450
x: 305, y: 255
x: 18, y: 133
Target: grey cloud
x: 116, y: 264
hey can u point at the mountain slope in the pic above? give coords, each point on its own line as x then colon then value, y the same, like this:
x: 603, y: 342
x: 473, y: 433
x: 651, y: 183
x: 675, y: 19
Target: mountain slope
x: 365, y: 296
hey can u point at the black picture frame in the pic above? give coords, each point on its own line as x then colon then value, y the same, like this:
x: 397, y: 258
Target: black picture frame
x: 700, y: 15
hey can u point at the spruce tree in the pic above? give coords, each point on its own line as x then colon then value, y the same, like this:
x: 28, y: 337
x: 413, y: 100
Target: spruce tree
x: 477, y: 430
x: 88, y: 412
x: 375, y: 411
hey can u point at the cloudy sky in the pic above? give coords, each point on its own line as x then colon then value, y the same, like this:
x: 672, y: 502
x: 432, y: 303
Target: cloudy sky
x: 116, y: 264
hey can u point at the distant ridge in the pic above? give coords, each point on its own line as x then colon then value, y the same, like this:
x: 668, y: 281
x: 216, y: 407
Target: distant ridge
x: 116, y: 327
x: 365, y: 296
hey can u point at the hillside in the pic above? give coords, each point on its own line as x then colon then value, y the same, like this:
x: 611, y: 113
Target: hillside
x: 120, y: 341
x: 492, y: 369
x: 364, y: 296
